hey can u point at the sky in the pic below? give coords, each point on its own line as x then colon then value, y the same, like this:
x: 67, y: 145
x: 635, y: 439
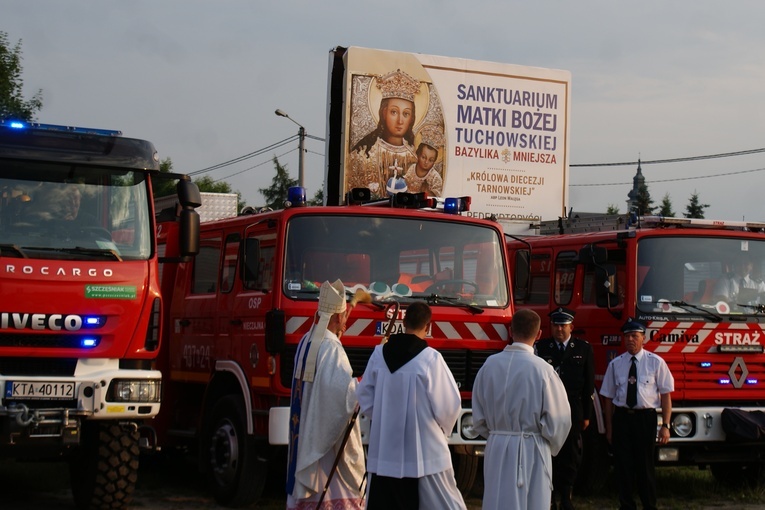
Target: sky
x: 200, y: 79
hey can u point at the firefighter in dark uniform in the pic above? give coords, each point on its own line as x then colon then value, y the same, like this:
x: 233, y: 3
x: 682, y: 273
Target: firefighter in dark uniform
x: 572, y: 359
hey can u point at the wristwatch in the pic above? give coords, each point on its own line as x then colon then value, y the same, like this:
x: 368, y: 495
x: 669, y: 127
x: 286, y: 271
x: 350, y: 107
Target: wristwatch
x: 665, y: 425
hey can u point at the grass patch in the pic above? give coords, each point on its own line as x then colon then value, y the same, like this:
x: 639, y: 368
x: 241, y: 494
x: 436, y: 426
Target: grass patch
x: 681, y: 488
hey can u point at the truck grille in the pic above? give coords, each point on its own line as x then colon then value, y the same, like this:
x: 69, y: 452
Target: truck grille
x: 61, y: 367
x: 42, y: 341
x: 463, y: 363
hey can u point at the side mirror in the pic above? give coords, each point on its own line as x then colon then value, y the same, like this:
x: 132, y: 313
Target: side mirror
x: 593, y: 254
x: 188, y: 233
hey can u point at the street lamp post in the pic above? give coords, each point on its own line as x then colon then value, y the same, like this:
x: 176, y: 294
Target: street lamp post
x: 301, y: 146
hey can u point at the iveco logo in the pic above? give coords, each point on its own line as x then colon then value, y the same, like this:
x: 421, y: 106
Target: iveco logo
x: 40, y: 321
x: 60, y: 271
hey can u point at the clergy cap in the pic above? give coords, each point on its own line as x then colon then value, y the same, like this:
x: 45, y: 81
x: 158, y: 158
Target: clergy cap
x: 562, y: 316
x: 632, y: 326
x: 332, y: 297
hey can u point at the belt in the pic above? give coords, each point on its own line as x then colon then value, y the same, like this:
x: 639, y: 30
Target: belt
x: 628, y: 410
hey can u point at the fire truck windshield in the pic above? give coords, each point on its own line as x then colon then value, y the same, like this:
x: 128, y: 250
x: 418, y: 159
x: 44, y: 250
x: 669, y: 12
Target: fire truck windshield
x: 74, y: 213
x: 689, y: 275
x: 395, y: 257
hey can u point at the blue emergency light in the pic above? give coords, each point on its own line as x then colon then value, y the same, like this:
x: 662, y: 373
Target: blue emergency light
x: 17, y: 124
x: 296, y: 196
x: 88, y: 342
x: 454, y: 205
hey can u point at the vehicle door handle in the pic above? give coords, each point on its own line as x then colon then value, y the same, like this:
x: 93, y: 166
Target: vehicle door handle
x: 184, y: 322
x: 236, y: 322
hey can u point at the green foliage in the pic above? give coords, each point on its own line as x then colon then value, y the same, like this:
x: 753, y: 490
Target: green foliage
x: 12, y: 103
x: 694, y: 209
x: 612, y: 209
x: 318, y: 198
x: 164, y: 187
x: 276, y: 194
x: 644, y: 200
x: 209, y: 185
x: 665, y: 209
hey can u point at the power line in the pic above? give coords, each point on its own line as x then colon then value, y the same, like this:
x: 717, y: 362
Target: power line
x: 673, y: 180
x: 246, y: 156
x: 255, y: 166
x: 674, y: 160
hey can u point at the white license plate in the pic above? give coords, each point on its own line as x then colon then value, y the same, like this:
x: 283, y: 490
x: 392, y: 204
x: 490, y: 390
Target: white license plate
x: 398, y: 327
x: 39, y: 390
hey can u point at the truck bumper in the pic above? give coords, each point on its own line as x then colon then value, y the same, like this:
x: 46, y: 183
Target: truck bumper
x: 50, y: 409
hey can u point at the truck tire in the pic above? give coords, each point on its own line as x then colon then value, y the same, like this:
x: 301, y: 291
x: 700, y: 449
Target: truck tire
x: 104, y: 470
x: 465, y: 463
x: 593, y: 471
x: 237, y: 474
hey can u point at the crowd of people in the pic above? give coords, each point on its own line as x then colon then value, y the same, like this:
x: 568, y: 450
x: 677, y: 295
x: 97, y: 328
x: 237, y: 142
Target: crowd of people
x: 531, y: 402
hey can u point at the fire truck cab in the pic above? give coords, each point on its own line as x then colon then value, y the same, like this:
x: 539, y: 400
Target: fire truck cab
x: 238, y: 311
x: 80, y: 303
x: 706, y: 320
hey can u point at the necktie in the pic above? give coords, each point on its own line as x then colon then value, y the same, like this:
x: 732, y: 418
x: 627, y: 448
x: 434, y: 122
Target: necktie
x: 632, y: 384
x: 561, y: 347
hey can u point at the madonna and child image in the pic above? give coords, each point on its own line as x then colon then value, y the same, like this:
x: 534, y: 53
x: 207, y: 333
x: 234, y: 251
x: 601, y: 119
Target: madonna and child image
x: 391, y: 151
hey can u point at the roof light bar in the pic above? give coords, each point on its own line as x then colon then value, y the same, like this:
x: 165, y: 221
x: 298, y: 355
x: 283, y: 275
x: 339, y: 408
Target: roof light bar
x: 21, y: 125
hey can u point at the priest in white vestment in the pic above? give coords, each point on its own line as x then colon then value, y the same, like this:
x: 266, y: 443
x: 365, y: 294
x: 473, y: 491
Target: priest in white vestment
x: 520, y: 406
x: 322, y: 403
x: 412, y: 400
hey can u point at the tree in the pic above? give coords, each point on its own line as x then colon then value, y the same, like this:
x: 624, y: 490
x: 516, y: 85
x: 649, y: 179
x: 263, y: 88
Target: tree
x: 164, y: 187
x: 694, y: 209
x: 276, y: 194
x: 644, y: 200
x: 318, y: 198
x: 666, y: 207
x: 12, y: 103
x: 612, y: 209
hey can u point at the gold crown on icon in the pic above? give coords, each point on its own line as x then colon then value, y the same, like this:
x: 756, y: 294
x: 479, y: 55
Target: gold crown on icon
x: 398, y: 84
x: 432, y: 135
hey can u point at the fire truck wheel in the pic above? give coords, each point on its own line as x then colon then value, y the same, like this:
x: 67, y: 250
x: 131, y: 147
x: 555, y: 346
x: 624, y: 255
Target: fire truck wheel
x: 237, y: 473
x: 465, y: 464
x: 739, y: 474
x: 104, y: 471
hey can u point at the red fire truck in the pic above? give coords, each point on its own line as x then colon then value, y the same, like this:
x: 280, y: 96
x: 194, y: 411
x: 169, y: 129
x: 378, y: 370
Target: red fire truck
x: 673, y: 274
x: 239, y: 309
x: 80, y: 303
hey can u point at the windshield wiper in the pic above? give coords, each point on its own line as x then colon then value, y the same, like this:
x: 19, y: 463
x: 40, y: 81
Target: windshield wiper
x: 13, y: 248
x: 705, y: 311
x: 757, y: 308
x: 85, y: 251
x: 433, y: 299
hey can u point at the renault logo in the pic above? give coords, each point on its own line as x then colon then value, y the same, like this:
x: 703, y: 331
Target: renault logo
x: 738, y: 364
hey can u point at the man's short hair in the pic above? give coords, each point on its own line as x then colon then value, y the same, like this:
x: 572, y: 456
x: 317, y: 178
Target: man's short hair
x: 525, y: 324
x: 417, y: 315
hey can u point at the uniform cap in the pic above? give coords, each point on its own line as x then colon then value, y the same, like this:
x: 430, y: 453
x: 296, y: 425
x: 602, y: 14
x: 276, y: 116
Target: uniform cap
x: 562, y: 316
x: 632, y: 326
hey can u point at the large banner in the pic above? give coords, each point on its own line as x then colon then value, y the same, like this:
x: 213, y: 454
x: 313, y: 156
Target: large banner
x: 454, y: 127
